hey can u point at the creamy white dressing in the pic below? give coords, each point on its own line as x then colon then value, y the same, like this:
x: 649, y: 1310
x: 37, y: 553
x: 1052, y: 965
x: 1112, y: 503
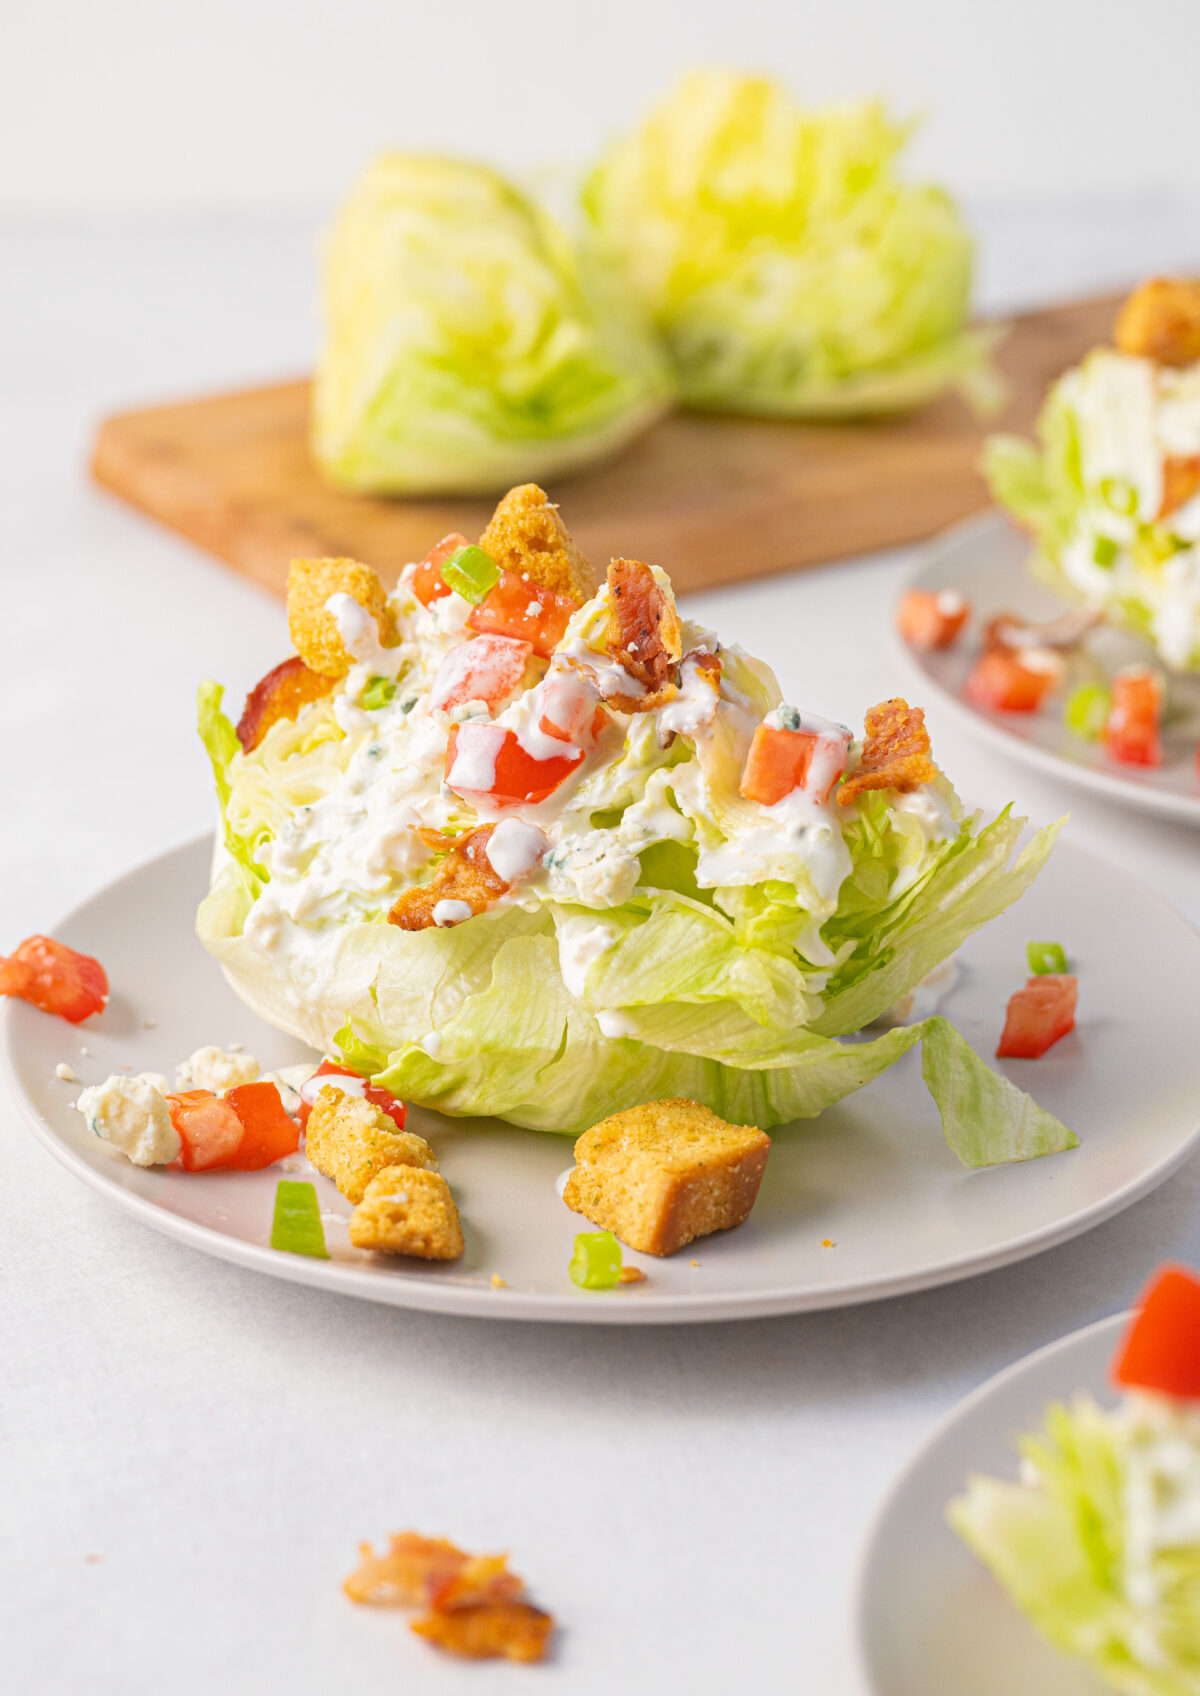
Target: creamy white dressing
x: 515, y: 848
x: 452, y: 912
x: 580, y: 942
x: 1161, y: 1487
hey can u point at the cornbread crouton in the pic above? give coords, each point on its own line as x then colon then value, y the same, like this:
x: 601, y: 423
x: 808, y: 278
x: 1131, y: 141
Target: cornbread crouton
x: 350, y: 1140
x: 408, y: 1210
x: 895, y: 752
x: 281, y: 694
x: 527, y: 536
x: 1161, y: 321
x: 466, y: 874
x: 661, y: 1175
x: 313, y: 630
x: 514, y: 1631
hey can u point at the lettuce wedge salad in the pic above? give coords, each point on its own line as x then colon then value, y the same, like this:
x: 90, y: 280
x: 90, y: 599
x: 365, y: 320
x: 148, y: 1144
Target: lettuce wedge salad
x: 466, y: 346
x: 1111, y: 488
x: 787, y: 266
x: 523, y: 846
x: 1099, y: 1542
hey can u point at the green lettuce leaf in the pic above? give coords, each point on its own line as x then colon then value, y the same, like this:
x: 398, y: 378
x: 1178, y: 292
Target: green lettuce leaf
x: 1060, y: 1547
x: 222, y: 745
x: 467, y: 349
x: 787, y: 266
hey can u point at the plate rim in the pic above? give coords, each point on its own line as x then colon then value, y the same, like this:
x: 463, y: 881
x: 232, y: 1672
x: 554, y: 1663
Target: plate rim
x: 1163, y: 803
x: 959, y: 1412
x: 409, y: 1290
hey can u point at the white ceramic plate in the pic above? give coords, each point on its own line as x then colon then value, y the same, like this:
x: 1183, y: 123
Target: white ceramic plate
x: 872, y: 1175
x: 931, y: 1617
x: 984, y: 560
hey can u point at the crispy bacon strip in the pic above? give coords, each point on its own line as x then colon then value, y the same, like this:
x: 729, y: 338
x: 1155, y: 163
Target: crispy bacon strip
x: 408, y: 1575
x: 895, y: 752
x: 280, y: 694
x: 1181, y: 480
x: 643, y: 635
x: 1161, y: 321
x: 514, y: 1631
x: 481, y: 1580
x: 465, y: 874
x: 1010, y: 630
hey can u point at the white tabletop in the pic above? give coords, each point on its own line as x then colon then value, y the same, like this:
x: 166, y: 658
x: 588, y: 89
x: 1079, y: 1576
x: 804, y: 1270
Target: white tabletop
x: 690, y: 1502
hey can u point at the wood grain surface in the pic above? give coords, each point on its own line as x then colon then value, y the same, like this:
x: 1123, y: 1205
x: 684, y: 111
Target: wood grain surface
x: 713, y: 500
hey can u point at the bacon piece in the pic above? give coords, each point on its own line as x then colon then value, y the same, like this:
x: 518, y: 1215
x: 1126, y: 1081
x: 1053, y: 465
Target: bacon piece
x: 643, y: 635
x: 1010, y: 630
x: 513, y: 1631
x: 1181, y: 480
x: 280, y: 694
x: 465, y: 874
x: 480, y: 1580
x: 895, y: 752
x: 1161, y: 321
x: 408, y: 1574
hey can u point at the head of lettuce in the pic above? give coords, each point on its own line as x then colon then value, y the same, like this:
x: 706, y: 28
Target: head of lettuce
x: 466, y: 346
x: 786, y: 265
x: 525, y: 846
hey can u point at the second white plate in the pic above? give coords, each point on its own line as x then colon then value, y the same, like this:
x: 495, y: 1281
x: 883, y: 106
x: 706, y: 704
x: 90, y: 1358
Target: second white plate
x: 985, y: 561
x: 931, y: 1617
x: 872, y: 1177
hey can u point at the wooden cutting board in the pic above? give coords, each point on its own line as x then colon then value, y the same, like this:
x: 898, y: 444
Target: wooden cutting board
x: 713, y: 500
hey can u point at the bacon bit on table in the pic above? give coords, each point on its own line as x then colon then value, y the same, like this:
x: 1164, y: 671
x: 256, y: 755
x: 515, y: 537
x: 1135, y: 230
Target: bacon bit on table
x: 895, y: 752
x: 280, y: 694
x: 476, y: 1606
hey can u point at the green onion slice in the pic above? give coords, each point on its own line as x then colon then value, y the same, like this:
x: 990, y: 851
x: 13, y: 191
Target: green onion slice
x: 1105, y: 551
x: 297, y: 1228
x: 471, y: 573
x: 1087, y: 710
x: 378, y: 693
x: 596, y: 1263
x: 1045, y: 957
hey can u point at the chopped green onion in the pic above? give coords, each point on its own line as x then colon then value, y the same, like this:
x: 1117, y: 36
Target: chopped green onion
x: 378, y: 693
x: 297, y: 1228
x: 471, y: 573
x: 1105, y: 551
x: 1120, y: 495
x: 1087, y: 710
x: 596, y: 1263
x: 1045, y: 957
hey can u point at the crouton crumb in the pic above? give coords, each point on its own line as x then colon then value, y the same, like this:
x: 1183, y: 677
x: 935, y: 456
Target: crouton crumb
x: 314, y: 632
x: 1161, y: 321
x: 660, y: 1175
x: 499, y: 1283
x: 634, y: 1275
x: 408, y: 1210
x: 527, y: 536
x: 827, y: 1242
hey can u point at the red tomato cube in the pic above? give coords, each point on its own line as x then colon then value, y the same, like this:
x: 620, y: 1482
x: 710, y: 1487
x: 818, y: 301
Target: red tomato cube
x: 207, y: 1126
x: 929, y: 619
x: 55, y: 978
x: 1161, y: 1350
x: 779, y: 762
x: 1000, y: 682
x: 1038, y: 1015
x: 513, y: 607
x: 487, y: 760
x: 267, y: 1132
x: 487, y: 668
x: 427, y: 578
x: 1132, y: 733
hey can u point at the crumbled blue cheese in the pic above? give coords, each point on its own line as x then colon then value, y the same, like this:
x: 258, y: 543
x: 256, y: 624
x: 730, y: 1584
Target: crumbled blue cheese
x: 216, y: 1069
x: 132, y: 1115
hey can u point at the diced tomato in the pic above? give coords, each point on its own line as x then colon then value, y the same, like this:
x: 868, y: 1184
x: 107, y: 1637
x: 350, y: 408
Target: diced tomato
x: 929, y: 619
x: 207, y: 1126
x: 998, y: 680
x: 487, y: 668
x: 267, y: 1132
x: 1038, y: 1015
x: 55, y: 978
x: 383, y: 1098
x: 779, y: 761
x: 569, y: 710
x: 487, y: 760
x: 1135, y: 717
x: 427, y: 578
x: 1161, y: 1350
x: 514, y: 607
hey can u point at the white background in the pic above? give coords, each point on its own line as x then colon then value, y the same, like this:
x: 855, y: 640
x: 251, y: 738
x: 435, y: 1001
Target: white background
x: 164, y: 105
